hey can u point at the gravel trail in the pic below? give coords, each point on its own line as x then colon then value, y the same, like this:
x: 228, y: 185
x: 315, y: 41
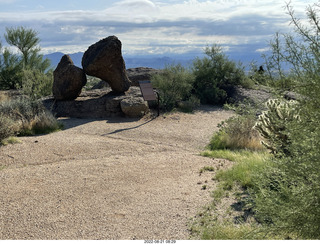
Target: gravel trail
x: 113, y: 179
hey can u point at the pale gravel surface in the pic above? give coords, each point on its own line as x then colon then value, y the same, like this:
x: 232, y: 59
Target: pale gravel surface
x: 108, y: 179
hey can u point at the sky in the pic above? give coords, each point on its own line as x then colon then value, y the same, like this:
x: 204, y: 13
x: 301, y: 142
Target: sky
x: 151, y: 27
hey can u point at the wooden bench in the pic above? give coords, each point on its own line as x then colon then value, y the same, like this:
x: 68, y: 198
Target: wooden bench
x: 148, y: 93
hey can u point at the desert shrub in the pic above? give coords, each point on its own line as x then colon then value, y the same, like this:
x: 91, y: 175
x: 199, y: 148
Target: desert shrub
x: 174, y: 85
x: 24, y: 116
x: 286, y: 196
x: 237, y: 133
x: 216, y: 76
x: 36, y: 84
x: 7, y: 127
x: 189, y: 105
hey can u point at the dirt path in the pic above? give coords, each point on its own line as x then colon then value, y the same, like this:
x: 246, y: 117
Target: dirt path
x: 108, y: 179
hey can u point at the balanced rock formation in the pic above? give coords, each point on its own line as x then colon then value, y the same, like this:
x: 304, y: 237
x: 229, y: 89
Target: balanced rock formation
x: 68, y: 80
x: 104, y: 60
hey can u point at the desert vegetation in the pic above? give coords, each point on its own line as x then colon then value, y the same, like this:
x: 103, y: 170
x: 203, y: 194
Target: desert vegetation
x: 210, y: 80
x: 29, y: 75
x: 273, y: 183
x: 275, y: 191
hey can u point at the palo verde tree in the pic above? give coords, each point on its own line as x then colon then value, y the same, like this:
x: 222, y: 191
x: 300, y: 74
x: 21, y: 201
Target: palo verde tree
x: 287, y: 196
x: 25, y: 40
x: 10, y: 69
x: 14, y: 67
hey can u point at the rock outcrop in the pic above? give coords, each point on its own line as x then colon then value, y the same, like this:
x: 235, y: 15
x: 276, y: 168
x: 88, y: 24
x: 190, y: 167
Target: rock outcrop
x: 141, y: 74
x: 68, y: 80
x: 99, y: 104
x: 104, y: 60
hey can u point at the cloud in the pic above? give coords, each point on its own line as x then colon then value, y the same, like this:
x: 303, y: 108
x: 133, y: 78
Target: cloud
x: 146, y: 26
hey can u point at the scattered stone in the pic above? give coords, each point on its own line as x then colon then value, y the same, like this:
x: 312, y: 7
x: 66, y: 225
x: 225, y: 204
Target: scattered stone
x: 68, y: 80
x: 104, y: 60
x: 134, y: 107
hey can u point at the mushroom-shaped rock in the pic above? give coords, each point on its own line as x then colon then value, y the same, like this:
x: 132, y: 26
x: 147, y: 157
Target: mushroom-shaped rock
x: 104, y: 60
x: 68, y: 80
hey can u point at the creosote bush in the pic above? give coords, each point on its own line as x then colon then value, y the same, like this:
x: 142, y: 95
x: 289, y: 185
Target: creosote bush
x: 174, y: 85
x: 216, y: 76
x: 36, y: 84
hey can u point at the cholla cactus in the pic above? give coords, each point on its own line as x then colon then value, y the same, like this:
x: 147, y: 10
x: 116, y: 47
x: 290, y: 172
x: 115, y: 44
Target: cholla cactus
x: 272, y: 124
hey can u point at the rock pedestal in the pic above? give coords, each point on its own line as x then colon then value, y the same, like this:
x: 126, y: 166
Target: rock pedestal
x: 100, y: 104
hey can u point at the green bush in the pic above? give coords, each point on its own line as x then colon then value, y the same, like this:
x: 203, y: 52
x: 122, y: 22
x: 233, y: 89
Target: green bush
x: 174, y: 85
x: 10, y: 70
x: 28, y: 68
x: 286, y: 196
x: 36, y: 84
x: 216, y: 76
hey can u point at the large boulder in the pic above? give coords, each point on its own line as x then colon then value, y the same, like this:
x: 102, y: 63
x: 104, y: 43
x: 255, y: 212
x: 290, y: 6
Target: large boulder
x: 68, y: 80
x: 104, y: 60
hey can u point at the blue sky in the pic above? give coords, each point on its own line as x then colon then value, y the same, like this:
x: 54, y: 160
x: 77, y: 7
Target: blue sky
x: 148, y: 27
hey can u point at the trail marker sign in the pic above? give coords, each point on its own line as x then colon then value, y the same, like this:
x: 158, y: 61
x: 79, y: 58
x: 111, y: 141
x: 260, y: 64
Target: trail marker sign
x: 148, y: 93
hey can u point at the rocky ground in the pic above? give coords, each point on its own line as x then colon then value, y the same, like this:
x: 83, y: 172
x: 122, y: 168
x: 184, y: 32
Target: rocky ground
x: 113, y: 178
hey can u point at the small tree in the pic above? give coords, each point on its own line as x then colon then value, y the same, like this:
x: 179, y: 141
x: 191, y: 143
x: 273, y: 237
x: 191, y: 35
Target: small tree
x: 287, y: 196
x: 25, y: 40
x: 10, y: 70
x: 28, y: 70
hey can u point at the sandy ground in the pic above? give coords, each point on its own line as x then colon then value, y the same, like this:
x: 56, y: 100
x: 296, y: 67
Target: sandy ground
x: 108, y: 179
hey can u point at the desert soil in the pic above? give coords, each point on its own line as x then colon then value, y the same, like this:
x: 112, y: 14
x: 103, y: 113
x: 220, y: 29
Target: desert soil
x: 112, y: 178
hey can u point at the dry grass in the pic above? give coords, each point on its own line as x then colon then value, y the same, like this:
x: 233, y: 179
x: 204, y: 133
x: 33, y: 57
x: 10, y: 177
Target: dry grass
x: 237, y: 133
x: 4, y: 97
x: 8, y: 95
x: 25, y: 117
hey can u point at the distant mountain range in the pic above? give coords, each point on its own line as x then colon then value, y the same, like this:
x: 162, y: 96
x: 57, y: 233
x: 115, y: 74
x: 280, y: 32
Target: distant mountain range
x: 151, y: 61
x: 160, y: 62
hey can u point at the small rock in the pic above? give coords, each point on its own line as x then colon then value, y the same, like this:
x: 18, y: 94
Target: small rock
x: 134, y: 107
